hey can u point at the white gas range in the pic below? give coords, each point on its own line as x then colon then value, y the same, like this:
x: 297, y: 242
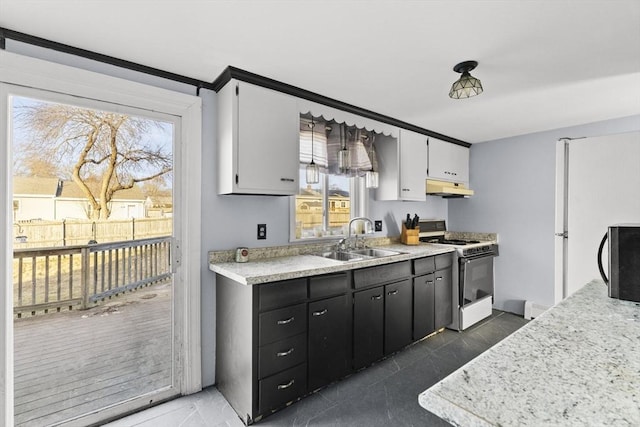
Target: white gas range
x: 473, y: 273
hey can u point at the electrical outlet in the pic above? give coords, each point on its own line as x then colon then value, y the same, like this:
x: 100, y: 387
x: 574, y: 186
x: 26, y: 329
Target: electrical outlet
x: 262, y: 231
x: 378, y: 225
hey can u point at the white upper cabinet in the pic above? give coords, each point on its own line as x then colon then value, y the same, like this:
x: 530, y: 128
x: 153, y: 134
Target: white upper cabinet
x: 402, y: 164
x: 258, y: 140
x: 448, y: 161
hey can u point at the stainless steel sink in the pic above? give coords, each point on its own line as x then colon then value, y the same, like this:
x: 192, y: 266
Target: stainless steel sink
x: 358, y: 254
x: 374, y: 252
x: 341, y: 256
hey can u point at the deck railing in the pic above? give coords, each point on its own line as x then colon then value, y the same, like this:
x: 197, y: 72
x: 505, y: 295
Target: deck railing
x: 52, y: 279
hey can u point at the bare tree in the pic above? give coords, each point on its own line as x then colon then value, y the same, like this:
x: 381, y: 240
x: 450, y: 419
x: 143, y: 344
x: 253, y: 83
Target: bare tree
x: 103, y: 152
x: 43, y: 167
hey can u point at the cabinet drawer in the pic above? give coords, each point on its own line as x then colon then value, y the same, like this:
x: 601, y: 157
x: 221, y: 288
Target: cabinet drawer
x: 329, y: 285
x: 424, y: 266
x: 282, y: 294
x: 281, y: 388
x: 282, y: 323
x: 381, y: 274
x: 444, y: 261
x: 282, y: 355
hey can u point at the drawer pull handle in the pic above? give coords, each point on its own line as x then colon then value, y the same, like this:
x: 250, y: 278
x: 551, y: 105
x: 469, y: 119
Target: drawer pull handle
x: 284, y: 353
x: 287, y: 385
x: 394, y: 292
x: 320, y: 313
x: 438, y: 278
x: 285, y: 321
x: 429, y: 282
x: 287, y: 179
x: 375, y: 297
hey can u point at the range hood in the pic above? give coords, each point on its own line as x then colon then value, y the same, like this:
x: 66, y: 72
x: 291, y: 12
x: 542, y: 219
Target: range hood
x: 447, y: 189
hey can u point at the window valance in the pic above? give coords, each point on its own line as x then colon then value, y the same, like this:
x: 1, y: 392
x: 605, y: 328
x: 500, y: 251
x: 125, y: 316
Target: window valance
x: 349, y: 119
x: 329, y: 138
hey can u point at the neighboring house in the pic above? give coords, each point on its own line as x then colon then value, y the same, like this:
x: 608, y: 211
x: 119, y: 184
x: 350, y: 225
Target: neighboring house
x: 159, y: 206
x: 34, y: 198
x: 54, y: 199
x: 309, y: 208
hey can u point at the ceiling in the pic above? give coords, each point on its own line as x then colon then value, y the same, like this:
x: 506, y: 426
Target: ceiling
x: 543, y: 64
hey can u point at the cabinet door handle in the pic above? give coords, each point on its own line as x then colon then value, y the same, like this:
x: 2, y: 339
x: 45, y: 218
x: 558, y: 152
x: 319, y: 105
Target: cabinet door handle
x: 287, y: 385
x: 285, y: 321
x: 287, y: 179
x: 394, y: 292
x: 438, y: 278
x: 406, y: 189
x: 376, y: 297
x: 429, y: 282
x: 320, y: 313
x: 284, y: 353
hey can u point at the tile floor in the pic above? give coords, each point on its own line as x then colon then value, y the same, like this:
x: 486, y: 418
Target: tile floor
x: 385, y: 394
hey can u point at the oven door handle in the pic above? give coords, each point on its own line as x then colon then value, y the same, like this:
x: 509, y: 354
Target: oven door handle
x: 469, y: 258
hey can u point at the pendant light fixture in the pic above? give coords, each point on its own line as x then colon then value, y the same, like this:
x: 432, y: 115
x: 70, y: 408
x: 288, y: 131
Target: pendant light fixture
x: 344, y: 157
x: 371, y: 177
x: 467, y: 85
x: 313, y: 172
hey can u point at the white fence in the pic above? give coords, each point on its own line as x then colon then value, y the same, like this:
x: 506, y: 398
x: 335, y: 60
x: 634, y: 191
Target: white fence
x: 38, y: 234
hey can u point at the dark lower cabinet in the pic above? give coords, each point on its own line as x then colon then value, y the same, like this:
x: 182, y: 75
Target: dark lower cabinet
x: 398, y: 318
x: 279, y: 341
x: 423, y: 306
x: 443, y: 299
x: 329, y: 339
x: 368, y: 326
x: 382, y: 321
x: 432, y: 303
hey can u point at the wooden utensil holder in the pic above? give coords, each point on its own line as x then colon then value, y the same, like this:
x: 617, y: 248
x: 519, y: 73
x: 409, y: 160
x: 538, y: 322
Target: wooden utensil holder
x: 410, y: 237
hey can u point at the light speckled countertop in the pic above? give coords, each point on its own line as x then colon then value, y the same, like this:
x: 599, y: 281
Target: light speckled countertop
x: 285, y: 266
x: 577, y: 364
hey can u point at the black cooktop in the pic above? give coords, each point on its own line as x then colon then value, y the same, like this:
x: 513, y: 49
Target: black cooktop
x: 444, y: 241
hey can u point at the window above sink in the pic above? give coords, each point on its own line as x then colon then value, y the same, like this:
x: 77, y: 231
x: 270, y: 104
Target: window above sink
x: 322, y: 210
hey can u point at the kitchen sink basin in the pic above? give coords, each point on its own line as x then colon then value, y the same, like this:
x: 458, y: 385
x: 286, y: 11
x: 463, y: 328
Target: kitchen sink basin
x: 375, y: 253
x: 341, y: 256
x: 358, y: 254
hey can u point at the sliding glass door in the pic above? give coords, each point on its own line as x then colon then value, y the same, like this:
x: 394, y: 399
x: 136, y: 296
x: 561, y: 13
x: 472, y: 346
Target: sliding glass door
x: 100, y: 309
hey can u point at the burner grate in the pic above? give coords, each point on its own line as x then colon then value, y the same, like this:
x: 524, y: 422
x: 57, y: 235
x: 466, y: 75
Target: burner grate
x: 458, y: 242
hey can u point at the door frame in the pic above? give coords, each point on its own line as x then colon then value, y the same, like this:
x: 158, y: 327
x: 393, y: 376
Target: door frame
x: 561, y: 220
x: 34, y: 73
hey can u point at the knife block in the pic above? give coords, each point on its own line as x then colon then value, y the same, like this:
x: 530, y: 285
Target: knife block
x: 410, y: 237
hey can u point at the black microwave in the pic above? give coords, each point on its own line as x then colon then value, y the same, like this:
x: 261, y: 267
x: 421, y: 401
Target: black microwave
x: 624, y: 261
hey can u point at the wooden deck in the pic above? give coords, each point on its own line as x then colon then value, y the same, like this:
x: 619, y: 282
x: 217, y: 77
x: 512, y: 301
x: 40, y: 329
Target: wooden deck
x: 74, y: 362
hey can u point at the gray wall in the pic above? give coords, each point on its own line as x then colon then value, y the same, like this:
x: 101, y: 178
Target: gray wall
x: 514, y: 183
x: 234, y: 218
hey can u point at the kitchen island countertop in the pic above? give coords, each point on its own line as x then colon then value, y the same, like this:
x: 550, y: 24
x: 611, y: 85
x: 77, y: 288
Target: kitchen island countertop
x: 293, y: 266
x: 577, y: 364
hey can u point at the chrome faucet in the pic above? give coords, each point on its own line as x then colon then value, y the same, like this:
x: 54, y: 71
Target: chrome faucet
x: 341, y: 245
x: 359, y: 218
